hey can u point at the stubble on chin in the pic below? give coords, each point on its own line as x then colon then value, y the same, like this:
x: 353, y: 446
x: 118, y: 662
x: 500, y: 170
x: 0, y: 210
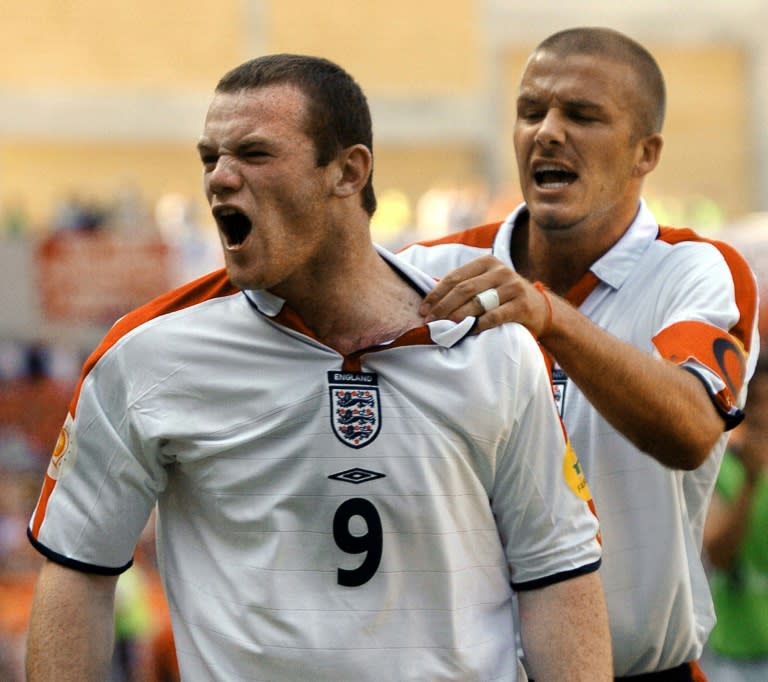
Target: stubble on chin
x: 239, y: 274
x: 551, y: 221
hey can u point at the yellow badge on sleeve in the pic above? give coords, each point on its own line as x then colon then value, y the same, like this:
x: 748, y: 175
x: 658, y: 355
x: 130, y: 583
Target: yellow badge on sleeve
x: 574, y: 474
x: 64, y: 452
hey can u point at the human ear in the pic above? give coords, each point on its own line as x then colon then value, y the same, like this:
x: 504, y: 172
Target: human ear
x: 649, y: 154
x: 355, y: 164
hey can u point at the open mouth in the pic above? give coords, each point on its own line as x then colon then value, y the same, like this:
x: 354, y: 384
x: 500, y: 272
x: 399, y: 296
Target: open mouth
x: 554, y: 177
x: 233, y: 224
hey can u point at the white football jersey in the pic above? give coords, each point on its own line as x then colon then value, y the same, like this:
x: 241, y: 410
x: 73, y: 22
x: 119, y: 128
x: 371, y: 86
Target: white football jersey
x: 693, y: 301
x: 320, y: 517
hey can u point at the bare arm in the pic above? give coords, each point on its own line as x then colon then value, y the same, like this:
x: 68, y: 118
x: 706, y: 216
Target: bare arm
x: 564, y: 631
x: 663, y: 409
x: 71, y: 631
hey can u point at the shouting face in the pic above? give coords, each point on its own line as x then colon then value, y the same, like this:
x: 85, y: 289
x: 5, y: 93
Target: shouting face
x: 267, y: 194
x: 579, y: 152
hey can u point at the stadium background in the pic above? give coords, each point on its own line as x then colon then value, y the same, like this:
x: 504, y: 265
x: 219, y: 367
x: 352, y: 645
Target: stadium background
x: 101, y: 203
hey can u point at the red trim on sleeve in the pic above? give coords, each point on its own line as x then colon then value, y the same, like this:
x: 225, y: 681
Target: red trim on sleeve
x: 42, y: 503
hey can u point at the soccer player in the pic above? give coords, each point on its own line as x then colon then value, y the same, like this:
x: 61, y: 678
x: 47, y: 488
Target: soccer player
x: 344, y: 492
x: 652, y: 329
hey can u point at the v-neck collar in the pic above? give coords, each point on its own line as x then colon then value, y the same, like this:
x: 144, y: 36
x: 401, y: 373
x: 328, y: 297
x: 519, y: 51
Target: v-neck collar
x: 440, y: 332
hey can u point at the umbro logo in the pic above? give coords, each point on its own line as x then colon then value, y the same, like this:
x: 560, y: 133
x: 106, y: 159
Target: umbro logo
x: 356, y: 475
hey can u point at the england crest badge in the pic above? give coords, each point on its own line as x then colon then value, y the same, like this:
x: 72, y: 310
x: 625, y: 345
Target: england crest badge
x: 355, y: 407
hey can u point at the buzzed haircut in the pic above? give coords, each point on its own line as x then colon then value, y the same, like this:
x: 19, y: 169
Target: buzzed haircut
x: 338, y: 115
x: 615, y: 46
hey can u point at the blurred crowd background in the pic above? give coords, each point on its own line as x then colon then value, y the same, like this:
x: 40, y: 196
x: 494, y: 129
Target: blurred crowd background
x: 101, y: 203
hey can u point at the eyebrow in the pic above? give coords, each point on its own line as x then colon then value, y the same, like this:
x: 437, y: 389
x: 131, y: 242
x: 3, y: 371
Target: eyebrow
x: 582, y: 104
x: 243, y: 144
x: 574, y: 102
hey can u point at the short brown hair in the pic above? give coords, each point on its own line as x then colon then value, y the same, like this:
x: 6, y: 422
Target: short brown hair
x: 338, y: 113
x: 616, y: 46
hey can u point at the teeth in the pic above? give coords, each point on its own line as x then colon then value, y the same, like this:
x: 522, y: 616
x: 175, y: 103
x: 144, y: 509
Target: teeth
x: 553, y: 176
x: 553, y: 168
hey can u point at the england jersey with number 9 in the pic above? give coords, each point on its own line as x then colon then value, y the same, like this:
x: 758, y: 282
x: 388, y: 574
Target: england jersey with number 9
x: 323, y: 517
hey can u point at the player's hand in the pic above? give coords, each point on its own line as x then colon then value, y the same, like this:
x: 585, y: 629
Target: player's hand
x: 454, y: 297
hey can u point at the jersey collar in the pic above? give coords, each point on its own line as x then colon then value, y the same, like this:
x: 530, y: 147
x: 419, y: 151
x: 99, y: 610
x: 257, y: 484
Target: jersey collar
x: 442, y: 332
x: 612, y: 268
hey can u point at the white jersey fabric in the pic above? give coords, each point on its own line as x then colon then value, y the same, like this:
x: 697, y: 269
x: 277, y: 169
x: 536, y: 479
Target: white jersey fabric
x: 320, y: 517
x: 669, y: 293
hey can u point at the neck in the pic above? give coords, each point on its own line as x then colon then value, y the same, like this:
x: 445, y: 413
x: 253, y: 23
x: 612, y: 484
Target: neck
x: 560, y: 257
x: 359, y: 303
x: 537, y: 258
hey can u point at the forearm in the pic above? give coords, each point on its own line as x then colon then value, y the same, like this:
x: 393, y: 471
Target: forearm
x: 564, y: 631
x: 71, y: 631
x: 663, y: 409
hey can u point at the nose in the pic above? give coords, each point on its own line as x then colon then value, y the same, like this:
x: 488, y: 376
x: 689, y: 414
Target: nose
x: 225, y: 175
x: 551, y: 129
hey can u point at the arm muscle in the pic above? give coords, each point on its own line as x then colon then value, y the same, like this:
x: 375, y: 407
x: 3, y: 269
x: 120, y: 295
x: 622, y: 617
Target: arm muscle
x: 71, y: 630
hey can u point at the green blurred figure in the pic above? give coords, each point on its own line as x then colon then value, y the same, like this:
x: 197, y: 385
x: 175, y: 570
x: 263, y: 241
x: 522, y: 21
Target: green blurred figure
x: 736, y: 542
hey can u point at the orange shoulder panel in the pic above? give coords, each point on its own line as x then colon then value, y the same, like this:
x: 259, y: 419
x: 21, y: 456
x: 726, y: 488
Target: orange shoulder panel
x: 481, y: 236
x: 205, y: 288
x: 210, y: 286
x: 744, y: 282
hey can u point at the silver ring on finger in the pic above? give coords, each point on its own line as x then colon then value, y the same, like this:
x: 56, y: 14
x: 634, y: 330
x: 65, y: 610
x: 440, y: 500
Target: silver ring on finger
x: 488, y: 299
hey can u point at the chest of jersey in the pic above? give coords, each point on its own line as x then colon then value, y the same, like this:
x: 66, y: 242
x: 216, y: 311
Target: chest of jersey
x: 320, y: 491
x: 287, y: 433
